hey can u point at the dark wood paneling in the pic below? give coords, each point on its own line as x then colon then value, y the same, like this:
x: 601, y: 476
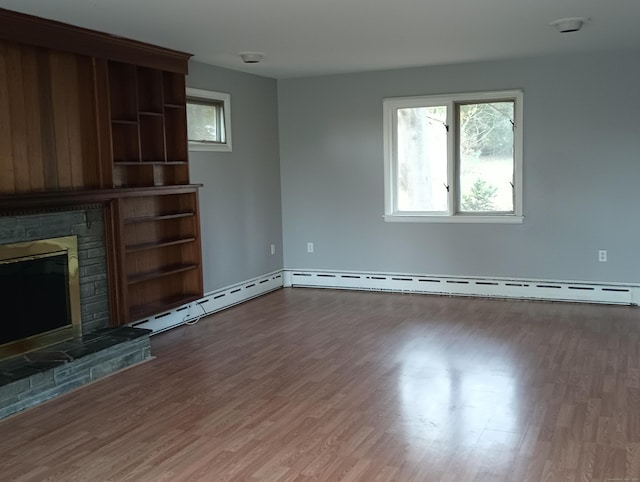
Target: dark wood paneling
x: 50, y: 124
x: 66, y: 125
x: 33, y: 112
x: 103, y: 124
x: 19, y: 134
x: 6, y: 148
x: 40, y: 32
x: 48, y: 139
x: 91, y: 159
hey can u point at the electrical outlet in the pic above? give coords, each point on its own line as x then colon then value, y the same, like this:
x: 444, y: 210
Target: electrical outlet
x: 309, y: 247
x: 602, y: 255
x: 273, y: 249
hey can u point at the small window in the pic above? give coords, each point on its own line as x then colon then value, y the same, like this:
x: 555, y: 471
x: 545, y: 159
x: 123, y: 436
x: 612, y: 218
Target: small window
x: 454, y: 158
x: 208, y: 120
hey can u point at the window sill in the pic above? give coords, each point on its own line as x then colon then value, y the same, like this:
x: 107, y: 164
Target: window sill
x: 202, y: 146
x: 464, y: 219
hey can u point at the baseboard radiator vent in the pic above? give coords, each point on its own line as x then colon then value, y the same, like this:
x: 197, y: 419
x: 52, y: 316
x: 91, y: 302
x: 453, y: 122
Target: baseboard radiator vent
x: 620, y: 294
x: 213, y: 302
x: 461, y: 286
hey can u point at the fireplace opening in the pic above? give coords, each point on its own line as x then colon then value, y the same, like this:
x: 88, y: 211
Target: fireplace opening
x: 39, y: 293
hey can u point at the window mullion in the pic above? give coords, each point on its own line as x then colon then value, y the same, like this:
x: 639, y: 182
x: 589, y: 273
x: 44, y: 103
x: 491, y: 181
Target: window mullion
x: 517, y: 156
x: 220, y: 124
x: 451, y: 156
x: 394, y: 164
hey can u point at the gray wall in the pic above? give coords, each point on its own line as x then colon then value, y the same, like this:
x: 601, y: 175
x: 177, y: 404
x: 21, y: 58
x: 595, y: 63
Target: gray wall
x: 240, y: 208
x: 581, y: 173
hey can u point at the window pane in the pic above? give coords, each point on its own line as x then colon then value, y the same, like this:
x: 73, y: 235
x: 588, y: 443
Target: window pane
x: 422, y: 159
x: 204, y: 122
x: 485, y: 153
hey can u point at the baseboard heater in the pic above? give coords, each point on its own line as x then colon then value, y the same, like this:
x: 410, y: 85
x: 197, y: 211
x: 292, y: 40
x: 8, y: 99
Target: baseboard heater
x: 213, y: 302
x: 581, y: 292
x: 621, y: 294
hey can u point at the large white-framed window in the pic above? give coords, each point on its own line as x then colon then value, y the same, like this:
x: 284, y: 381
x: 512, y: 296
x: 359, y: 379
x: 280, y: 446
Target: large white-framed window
x: 208, y: 120
x: 454, y: 158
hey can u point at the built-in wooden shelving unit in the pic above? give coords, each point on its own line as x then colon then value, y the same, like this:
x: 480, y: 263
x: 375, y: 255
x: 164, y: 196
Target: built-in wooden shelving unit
x: 149, y: 127
x: 107, y: 124
x: 161, y: 251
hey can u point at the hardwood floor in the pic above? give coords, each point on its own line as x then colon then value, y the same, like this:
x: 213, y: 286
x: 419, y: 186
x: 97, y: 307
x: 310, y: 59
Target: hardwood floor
x: 305, y: 384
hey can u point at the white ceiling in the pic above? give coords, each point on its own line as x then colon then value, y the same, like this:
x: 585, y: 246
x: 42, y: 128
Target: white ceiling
x: 305, y: 37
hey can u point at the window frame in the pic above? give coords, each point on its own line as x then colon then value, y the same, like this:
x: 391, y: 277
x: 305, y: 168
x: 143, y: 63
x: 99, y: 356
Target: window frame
x: 202, y: 96
x: 452, y: 215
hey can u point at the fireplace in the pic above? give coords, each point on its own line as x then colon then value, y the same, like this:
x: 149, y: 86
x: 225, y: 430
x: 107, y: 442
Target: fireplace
x: 39, y: 293
x: 61, y: 252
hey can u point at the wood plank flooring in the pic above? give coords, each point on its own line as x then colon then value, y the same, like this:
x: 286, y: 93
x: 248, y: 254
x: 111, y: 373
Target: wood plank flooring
x: 302, y: 385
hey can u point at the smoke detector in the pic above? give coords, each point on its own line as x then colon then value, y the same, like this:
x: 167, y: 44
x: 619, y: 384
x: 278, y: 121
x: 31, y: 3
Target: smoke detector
x: 567, y: 25
x: 251, y: 57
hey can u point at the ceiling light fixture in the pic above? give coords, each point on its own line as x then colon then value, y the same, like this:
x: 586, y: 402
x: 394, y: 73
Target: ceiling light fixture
x: 567, y: 25
x: 251, y: 57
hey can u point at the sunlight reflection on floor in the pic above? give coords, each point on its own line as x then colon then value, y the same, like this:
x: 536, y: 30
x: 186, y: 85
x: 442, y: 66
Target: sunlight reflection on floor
x: 440, y: 402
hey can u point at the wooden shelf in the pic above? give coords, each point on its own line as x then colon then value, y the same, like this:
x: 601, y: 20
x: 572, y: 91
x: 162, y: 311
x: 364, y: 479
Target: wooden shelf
x: 174, y: 173
x: 153, y: 163
x: 146, y: 219
x: 158, y: 244
x: 158, y: 273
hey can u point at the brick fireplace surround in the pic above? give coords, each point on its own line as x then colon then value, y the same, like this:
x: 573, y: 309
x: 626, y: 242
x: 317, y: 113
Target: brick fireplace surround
x: 34, y: 377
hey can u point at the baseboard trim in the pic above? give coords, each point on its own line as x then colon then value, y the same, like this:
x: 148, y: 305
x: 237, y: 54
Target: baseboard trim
x: 549, y: 290
x: 571, y: 291
x: 213, y: 302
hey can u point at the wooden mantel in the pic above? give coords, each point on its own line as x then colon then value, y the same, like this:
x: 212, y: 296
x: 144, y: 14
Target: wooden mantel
x: 33, y: 201
x: 87, y: 118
